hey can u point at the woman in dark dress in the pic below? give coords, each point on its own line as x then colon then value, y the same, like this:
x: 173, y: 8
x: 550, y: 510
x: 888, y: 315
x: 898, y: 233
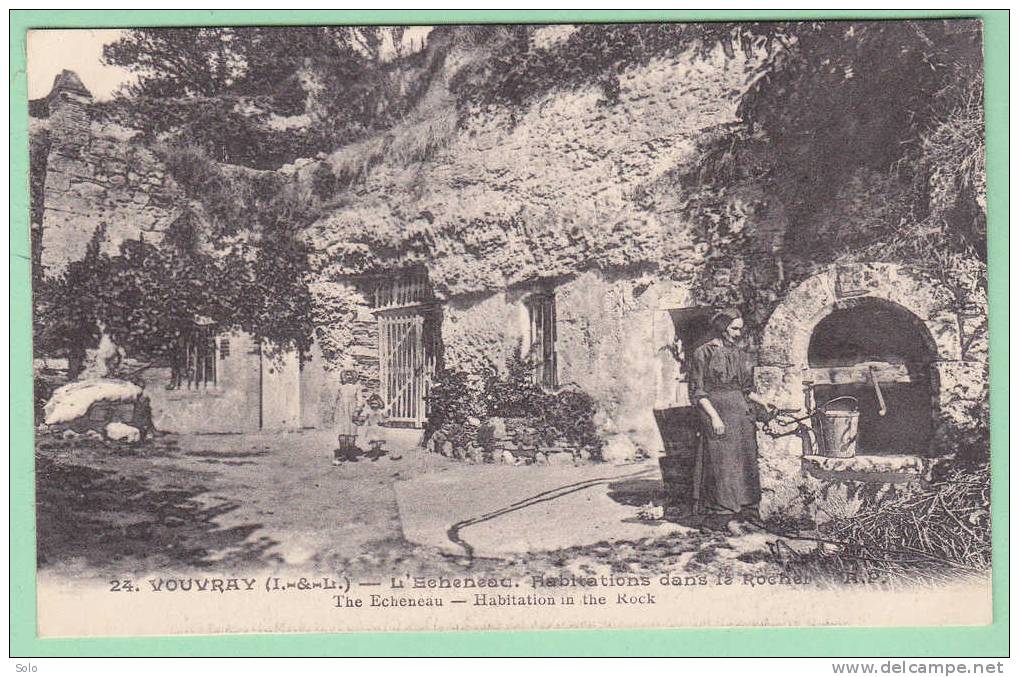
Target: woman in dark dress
x: 721, y: 383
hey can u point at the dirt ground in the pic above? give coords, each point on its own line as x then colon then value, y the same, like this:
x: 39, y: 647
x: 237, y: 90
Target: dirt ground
x: 273, y: 501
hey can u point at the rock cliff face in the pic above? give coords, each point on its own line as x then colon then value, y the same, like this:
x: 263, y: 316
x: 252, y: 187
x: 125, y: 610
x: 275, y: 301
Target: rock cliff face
x: 516, y: 195
x: 572, y: 192
x: 584, y: 195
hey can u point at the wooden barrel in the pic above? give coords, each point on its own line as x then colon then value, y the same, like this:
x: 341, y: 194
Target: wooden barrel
x: 680, y: 431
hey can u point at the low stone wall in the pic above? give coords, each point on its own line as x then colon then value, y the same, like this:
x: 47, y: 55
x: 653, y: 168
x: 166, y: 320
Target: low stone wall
x: 346, y: 333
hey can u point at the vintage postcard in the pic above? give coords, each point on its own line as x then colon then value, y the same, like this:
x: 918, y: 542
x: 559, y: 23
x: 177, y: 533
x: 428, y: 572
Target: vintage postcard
x: 343, y: 328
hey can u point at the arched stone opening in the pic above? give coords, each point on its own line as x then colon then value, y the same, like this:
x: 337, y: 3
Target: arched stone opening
x: 786, y: 338
x: 881, y: 354
x: 870, y: 330
x: 836, y: 333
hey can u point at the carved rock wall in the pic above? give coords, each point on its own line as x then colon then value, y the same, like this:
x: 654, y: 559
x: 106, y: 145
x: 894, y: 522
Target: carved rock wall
x: 549, y: 189
x: 605, y: 343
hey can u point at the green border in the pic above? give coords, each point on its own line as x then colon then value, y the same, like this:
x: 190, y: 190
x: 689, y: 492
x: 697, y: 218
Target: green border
x: 989, y: 640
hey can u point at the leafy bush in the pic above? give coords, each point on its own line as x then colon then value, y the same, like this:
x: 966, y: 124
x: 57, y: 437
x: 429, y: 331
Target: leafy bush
x: 458, y: 403
x: 324, y: 182
x: 569, y: 416
x: 513, y: 394
x: 866, y: 144
x: 451, y: 401
x: 968, y: 435
x: 517, y: 71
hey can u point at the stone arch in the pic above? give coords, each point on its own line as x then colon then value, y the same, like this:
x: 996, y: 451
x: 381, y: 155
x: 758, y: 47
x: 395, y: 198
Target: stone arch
x: 786, y: 338
x: 868, y: 329
x: 784, y: 375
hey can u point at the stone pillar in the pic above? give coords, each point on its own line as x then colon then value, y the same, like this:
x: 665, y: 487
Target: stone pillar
x: 68, y: 102
x: 779, y: 461
x: 66, y: 226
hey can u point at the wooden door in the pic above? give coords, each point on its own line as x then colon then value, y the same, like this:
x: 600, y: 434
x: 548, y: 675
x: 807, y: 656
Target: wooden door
x: 280, y: 389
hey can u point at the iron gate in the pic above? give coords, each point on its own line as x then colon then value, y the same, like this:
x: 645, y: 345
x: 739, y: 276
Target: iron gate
x: 405, y: 365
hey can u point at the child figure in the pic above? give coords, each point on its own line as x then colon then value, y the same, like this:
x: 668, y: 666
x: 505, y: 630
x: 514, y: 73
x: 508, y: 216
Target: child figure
x: 348, y: 404
x: 372, y: 418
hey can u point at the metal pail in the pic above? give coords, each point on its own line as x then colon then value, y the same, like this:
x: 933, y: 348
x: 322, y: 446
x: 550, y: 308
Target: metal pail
x: 838, y: 424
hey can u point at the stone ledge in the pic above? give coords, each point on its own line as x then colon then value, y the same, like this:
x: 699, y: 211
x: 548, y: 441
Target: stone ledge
x: 184, y: 394
x: 891, y: 468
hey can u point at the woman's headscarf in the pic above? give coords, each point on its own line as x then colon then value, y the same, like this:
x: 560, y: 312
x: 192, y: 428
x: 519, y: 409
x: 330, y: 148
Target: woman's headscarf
x: 721, y: 320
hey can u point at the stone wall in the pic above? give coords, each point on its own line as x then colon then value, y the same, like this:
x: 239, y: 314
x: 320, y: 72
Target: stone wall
x: 483, y: 332
x: 346, y: 337
x: 613, y: 333
x: 231, y: 405
x: 605, y: 346
x: 95, y: 178
x: 274, y: 391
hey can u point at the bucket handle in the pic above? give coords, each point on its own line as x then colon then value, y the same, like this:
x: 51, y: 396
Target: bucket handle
x: 824, y: 407
x: 881, y: 408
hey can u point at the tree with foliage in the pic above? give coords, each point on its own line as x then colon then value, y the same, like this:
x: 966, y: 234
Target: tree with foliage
x: 842, y: 96
x: 150, y: 300
x: 254, y: 61
x: 869, y: 135
x: 222, y: 88
x: 239, y: 266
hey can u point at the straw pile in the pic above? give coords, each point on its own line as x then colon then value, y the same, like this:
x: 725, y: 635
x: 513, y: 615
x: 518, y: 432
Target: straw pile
x: 937, y: 531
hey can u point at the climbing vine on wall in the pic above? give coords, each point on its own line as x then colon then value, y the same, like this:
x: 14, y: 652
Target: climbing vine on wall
x: 233, y: 257
x: 334, y: 309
